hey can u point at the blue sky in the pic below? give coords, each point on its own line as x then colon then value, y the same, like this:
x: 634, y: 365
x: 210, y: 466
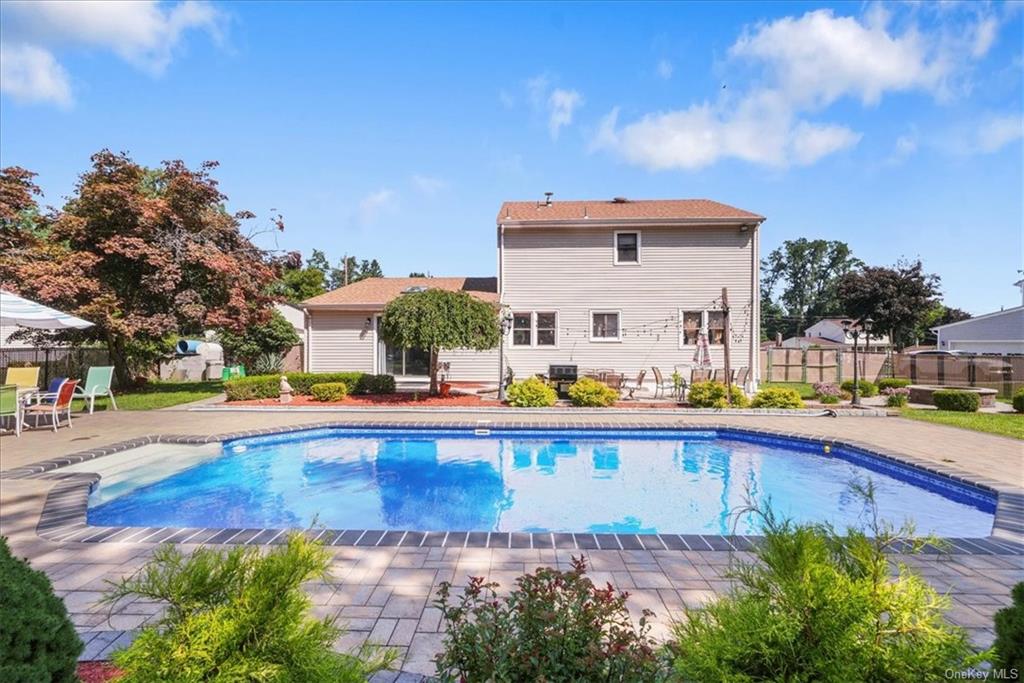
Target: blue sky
x: 396, y: 131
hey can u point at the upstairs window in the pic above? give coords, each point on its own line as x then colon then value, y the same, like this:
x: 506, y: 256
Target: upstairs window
x: 547, y: 324
x: 627, y: 248
x: 604, y: 326
x: 693, y: 321
x: 522, y: 328
x: 716, y: 327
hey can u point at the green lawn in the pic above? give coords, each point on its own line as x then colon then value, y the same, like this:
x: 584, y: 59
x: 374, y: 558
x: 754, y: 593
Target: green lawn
x: 806, y: 389
x: 161, y: 395
x: 1004, y: 424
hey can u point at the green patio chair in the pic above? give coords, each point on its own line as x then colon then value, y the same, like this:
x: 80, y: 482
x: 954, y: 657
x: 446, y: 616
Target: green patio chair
x: 9, y: 405
x: 97, y: 383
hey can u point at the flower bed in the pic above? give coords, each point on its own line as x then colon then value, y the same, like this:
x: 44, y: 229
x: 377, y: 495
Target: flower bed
x: 374, y: 400
x: 97, y: 672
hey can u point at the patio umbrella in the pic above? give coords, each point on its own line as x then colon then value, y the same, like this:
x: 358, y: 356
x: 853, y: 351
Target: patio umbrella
x: 15, y: 310
x: 702, y: 356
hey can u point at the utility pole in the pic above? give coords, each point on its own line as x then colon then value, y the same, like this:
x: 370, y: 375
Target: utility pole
x: 727, y: 338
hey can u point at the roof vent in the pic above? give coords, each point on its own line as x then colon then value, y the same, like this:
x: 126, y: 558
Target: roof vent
x: 547, y: 199
x: 619, y: 200
x: 414, y: 289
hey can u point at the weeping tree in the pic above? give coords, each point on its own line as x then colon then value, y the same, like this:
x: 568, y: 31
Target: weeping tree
x: 437, y: 320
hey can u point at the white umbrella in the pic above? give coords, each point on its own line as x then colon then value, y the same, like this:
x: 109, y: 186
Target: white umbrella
x: 15, y: 310
x: 702, y: 355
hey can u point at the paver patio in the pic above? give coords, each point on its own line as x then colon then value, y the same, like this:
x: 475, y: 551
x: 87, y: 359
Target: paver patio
x: 384, y: 594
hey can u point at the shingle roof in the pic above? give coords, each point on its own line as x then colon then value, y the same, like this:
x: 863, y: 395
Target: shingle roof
x: 606, y: 209
x: 378, y: 291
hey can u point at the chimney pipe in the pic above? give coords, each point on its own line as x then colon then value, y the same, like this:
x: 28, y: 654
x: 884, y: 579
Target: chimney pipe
x: 547, y: 198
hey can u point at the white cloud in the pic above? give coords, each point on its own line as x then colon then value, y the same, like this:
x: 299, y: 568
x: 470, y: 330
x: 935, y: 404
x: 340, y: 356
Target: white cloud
x: 998, y: 131
x: 803, y: 65
x: 761, y: 130
x: 144, y: 34
x: 30, y: 74
x: 904, y: 148
x: 506, y: 99
x: 373, y: 204
x: 561, y: 105
x: 665, y: 69
x: 428, y: 185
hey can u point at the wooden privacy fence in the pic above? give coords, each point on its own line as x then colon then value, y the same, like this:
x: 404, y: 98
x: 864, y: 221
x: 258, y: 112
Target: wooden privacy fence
x: 54, y: 361
x: 1002, y: 373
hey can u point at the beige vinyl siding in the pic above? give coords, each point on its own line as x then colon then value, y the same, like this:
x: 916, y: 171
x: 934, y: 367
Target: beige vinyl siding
x: 340, y: 341
x: 571, y: 271
x: 471, y: 366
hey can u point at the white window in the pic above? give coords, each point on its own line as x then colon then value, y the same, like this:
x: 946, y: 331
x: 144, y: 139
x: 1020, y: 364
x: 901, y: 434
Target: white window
x: 693, y: 321
x: 627, y: 248
x: 522, y: 329
x: 547, y: 329
x: 604, y: 326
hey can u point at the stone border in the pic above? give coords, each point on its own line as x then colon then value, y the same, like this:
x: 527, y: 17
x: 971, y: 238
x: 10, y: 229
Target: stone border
x: 64, y: 512
x: 504, y: 411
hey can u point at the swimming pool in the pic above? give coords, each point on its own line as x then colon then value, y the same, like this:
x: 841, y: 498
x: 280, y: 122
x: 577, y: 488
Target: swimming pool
x: 581, y: 481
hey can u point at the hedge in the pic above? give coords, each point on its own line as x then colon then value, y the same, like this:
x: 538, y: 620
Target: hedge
x: 892, y: 383
x: 268, y: 386
x: 957, y: 401
x: 865, y: 388
x: 1018, y: 400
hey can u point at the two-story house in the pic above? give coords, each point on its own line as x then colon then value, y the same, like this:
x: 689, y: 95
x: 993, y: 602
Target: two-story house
x: 618, y: 284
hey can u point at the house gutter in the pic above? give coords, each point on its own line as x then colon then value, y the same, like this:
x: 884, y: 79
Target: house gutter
x: 638, y: 222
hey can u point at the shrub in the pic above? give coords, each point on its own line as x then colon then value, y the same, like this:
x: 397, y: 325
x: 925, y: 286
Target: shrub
x: 268, y: 386
x: 238, y: 615
x: 956, y: 400
x: 554, y: 626
x: 819, y: 605
x: 892, y: 383
x: 712, y: 394
x: 37, y: 640
x: 531, y: 393
x: 896, y: 397
x: 266, y: 364
x: 827, y: 392
x: 1009, y: 645
x: 329, y: 391
x: 1018, y: 400
x: 587, y: 391
x: 865, y: 388
x: 777, y: 397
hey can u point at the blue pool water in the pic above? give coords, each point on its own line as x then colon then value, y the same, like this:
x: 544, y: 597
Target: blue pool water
x: 599, y: 482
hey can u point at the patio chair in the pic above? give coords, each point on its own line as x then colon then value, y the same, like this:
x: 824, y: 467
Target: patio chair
x: 24, y: 378
x: 661, y: 384
x: 61, y: 405
x: 97, y: 383
x: 699, y: 375
x: 49, y: 395
x: 613, y: 380
x: 632, y: 387
x: 10, y: 406
x: 742, y: 376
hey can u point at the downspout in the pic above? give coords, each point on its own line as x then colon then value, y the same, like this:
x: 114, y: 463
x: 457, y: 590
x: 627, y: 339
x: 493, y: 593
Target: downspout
x: 755, y: 306
x: 307, y: 322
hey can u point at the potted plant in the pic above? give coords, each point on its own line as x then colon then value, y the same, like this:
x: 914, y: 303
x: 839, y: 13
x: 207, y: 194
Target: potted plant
x: 444, y: 387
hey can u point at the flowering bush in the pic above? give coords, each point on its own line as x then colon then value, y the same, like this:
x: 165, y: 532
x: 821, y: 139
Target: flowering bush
x: 554, y: 626
x: 896, y: 397
x: 826, y: 392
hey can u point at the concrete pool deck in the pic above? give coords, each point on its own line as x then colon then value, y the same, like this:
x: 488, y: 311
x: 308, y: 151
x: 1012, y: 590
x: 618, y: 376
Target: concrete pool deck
x: 383, y: 593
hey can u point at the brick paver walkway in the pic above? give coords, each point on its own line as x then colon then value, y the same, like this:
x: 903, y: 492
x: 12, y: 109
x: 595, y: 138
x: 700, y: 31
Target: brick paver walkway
x: 384, y: 594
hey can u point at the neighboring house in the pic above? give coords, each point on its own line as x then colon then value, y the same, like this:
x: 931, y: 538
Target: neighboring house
x: 812, y: 342
x: 832, y: 329
x: 999, y: 332
x: 618, y: 284
x: 294, y: 359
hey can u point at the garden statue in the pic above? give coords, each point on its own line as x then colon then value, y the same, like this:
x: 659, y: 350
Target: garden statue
x: 285, y: 391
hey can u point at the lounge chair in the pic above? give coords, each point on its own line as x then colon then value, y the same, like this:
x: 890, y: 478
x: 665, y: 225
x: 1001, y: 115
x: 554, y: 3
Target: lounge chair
x: 10, y: 406
x: 24, y: 378
x: 661, y: 384
x: 60, y: 406
x: 97, y: 383
x: 632, y: 387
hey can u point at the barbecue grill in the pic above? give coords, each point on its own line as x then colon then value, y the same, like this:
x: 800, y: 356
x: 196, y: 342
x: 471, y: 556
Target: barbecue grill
x: 563, y: 377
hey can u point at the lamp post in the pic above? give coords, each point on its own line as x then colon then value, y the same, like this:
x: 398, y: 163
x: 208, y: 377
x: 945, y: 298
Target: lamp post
x: 853, y: 328
x: 506, y: 322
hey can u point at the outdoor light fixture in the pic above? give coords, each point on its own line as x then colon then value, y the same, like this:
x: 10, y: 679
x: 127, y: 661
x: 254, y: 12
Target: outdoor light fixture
x: 853, y: 328
x: 506, y: 324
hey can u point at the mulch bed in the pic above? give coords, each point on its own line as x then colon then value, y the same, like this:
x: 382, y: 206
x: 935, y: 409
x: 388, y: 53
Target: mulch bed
x: 97, y: 672
x: 377, y: 400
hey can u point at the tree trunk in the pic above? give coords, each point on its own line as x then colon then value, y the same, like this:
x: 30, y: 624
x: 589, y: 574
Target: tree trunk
x: 115, y: 347
x: 433, y: 372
